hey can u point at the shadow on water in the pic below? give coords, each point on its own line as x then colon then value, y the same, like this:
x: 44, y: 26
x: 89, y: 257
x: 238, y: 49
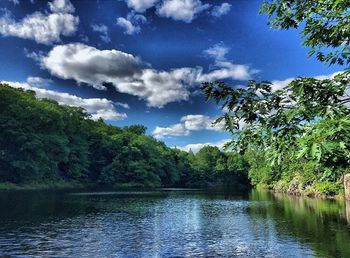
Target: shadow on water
x: 322, y: 224
x: 41, y: 206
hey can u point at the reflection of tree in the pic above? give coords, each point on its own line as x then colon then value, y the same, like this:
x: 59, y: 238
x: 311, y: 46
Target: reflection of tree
x: 35, y: 207
x: 320, y: 224
x: 347, y: 208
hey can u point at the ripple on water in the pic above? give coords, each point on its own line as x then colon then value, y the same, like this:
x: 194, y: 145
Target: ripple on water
x: 153, y: 224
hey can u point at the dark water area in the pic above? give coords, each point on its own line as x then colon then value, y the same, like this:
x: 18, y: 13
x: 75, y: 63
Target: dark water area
x: 170, y: 223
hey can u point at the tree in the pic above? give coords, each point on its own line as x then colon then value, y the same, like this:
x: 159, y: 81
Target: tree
x: 325, y: 25
x: 307, y: 120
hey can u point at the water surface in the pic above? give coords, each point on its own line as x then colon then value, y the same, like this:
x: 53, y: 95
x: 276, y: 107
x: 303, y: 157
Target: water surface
x: 168, y: 223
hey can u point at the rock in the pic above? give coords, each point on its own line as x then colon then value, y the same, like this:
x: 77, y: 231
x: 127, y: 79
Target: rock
x: 294, y: 187
x: 280, y: 187
x: 347, y: 186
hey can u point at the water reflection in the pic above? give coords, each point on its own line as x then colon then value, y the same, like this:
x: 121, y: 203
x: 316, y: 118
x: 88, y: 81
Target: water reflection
x: 320, y: 224
x: 171, y: 223
x: 347, y: 205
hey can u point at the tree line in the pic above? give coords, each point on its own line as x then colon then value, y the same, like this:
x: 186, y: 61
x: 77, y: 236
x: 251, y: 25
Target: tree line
x: 44, y: 142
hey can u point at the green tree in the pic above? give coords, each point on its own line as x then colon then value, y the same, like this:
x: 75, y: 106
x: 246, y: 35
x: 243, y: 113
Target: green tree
x: 325, y: 25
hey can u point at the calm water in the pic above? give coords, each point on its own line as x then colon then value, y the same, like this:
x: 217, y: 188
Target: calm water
x: 170, y: 224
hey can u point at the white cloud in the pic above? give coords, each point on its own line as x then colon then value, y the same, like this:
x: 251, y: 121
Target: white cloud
x: 199, y: 122
x: 173, y: 130
x: 188, y: 123
x: 103, y: 31
x: 128, y: 74
x: 221, y: 10
x: 43, y: 28
x: 38, y: 81
x: 89, y: 65
x: 228, y: 70
x: 280, y: 84
x: 225, y: 68
x: 123, y: 105
x: 141, y: 5
x: 36, y: 56
x: 131, y: 24
x: 61, y: 6
x: 97, y: 107
x: 218, y: 52
x: 128, y: 27
x: 195, y: 147
x: 181, y: 10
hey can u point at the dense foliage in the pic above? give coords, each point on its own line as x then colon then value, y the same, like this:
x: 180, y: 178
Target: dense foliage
x: 300, y: 131
x: 43, y: 142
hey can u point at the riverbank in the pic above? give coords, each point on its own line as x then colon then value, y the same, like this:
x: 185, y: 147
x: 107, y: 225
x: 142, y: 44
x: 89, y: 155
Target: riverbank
x: 296, y: 187
x: 292, y: 188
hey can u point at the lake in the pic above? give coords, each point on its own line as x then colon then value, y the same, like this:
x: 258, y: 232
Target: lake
x: 170, y: 223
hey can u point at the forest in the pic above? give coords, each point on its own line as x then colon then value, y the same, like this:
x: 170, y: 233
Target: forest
x: 43, y: 143
x: 292, y: 138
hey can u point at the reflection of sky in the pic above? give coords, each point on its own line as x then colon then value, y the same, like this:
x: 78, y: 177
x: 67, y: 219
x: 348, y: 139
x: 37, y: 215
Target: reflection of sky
x: 170, y: 225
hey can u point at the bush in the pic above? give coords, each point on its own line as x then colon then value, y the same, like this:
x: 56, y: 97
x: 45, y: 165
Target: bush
x: 328, y: 188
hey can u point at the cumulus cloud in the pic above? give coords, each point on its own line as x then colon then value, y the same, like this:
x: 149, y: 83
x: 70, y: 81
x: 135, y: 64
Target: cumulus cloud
x: 141, y: 5
x: 43, y: 28
x: 128, y: 27
x: 131, y: 24
x: 128, y: 74
x: 221, y: 10
x: 188, y: 123
x: 195, y: 147
x: 103, y: 30
x: 181, y: 10
x: 225, y: 68
x: 89, y: 65
x: 97, y: 107
x: 178, y: 10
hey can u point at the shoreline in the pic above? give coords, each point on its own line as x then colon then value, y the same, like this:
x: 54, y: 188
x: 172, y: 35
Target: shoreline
x: 62, y: 185
x: 302, y: 194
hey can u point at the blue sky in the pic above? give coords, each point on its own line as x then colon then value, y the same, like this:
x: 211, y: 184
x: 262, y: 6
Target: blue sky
x: 142, y: 61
